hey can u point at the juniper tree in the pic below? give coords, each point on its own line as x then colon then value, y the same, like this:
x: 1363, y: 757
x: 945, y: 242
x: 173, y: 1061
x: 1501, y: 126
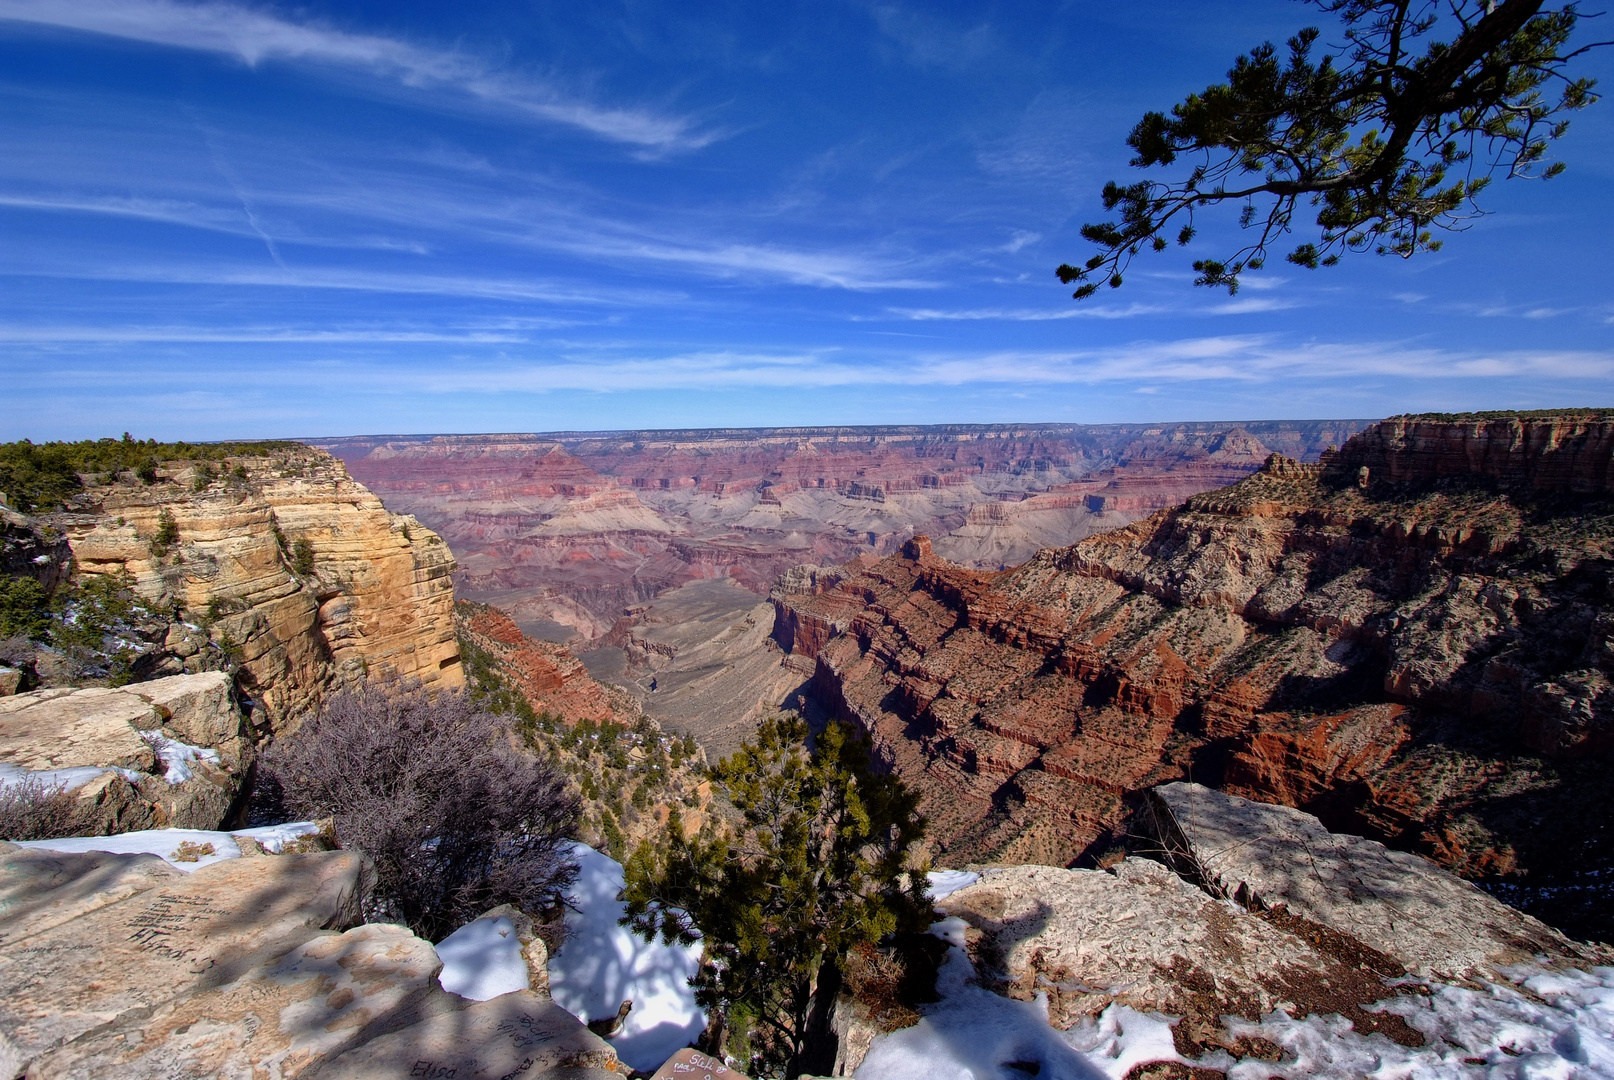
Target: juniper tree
x: 818, y: 863
x: 1391, y: 139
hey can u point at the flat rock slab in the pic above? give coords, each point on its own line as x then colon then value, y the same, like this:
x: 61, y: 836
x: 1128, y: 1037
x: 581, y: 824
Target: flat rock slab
x: 64, y: 729
x: 325, y: 996
x: 1142, y: 936
x: 513, y: 1035
x: 1267, y: 856
x: 184, y: 936
x: 42, y: 889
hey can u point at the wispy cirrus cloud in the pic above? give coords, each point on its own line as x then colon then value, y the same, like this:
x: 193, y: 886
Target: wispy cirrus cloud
x: 371, y: 281
x: 1238, y: 306
x: 996, y: 314
x: 264, y: 335
x: 257, y: 37
x: 1238, y: 359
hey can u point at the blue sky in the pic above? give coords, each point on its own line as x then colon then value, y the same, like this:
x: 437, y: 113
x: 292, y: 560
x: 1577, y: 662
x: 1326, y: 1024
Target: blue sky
x: 222, y: 219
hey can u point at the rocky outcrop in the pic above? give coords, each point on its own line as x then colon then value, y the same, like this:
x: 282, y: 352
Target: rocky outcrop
x: 1323, y: 924
x: 707, y: 649
x: 1569, y: 451
x: 1275, y: 858
x: 295, y: 570
x: 118, y: 965
x: 1422, y: 662
x: 116, y: 749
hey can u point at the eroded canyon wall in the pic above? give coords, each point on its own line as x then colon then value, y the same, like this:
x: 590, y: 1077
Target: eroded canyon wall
x: 1420, y: 651
x: 567, y: 530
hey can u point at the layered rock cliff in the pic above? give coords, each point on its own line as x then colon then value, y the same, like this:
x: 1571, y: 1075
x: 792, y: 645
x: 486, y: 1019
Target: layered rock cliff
x: 285, y: 564
x: 1411, y: 639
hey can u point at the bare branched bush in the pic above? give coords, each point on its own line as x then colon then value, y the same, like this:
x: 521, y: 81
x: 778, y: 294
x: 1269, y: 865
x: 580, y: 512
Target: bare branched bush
x: 431, y: 788
x: 34, y: 810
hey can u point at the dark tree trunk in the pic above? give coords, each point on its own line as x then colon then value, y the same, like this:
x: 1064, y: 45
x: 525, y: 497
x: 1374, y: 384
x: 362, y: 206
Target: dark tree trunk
x: 819, y: 1042
x: 711, y: 1040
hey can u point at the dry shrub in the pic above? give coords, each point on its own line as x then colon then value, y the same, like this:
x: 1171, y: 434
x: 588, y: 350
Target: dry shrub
x: 34, y: 810
x: 189, y: 851
x: 456, y: 820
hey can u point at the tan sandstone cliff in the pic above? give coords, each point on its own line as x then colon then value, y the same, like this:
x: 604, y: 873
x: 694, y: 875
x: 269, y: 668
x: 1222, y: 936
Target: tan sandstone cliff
x: 293, y: 567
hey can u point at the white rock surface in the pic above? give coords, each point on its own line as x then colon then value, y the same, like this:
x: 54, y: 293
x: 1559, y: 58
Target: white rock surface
x: 1433, y: 922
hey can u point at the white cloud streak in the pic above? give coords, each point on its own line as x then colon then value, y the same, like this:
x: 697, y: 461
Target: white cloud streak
x: 374, y: 281
x: 1246, y: 360
x: 256, y: 37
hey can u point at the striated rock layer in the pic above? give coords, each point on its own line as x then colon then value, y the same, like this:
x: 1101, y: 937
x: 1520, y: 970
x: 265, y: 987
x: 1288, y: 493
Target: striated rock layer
x: 566, y: 530
x: 1410, y: 651
x: 294, y: 568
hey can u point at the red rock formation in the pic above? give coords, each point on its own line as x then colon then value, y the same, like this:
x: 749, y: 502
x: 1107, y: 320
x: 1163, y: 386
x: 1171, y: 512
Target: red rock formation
x: 548, y: 675
x: 1425, y: 658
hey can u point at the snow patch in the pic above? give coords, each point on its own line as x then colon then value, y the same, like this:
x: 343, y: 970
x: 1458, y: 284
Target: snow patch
x: 176, y: 756
x: 274, y: 838
x: 973, y: 1034
x: 167, y: 844
x: 164, y: 843
x: 603, y: 964
x: 1557, y: 1024
x: 66, y: 779
x: 947, y: 882
x: 1565, y: 1030
x: 482, y: 960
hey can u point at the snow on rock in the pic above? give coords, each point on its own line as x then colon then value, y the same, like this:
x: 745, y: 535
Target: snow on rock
x: 1566, y: 1030
x: 945, y: 883
x: 186, y: 849
x: 176, y: 756
x: 70, y: 779
x: 973, y: 1034
x: 1547, y: 1024
x: 602, y: 964
x: 274, y: 838
x: 482, y: 960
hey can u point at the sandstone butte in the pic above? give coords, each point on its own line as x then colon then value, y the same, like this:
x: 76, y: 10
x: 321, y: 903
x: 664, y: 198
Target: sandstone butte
x: 566, y: 530
x: 378, y: 599
x: 1411, y: 640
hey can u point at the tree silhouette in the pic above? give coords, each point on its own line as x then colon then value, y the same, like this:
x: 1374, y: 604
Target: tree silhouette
x: 1390, y: 140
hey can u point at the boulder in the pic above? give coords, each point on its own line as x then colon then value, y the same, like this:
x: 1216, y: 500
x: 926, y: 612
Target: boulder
x: 178, y: 938
x: 198, y: 709
x: 63, y: 729
x: 691, y: 1064
x: 516, y: 1034
x: 1141, y: 936
x: 42, y: 889
x: 1273, y: 857
x: 325, y: 996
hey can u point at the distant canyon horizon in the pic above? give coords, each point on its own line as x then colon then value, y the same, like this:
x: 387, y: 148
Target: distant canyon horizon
x: 651, y: 554
x: 569, y: 531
